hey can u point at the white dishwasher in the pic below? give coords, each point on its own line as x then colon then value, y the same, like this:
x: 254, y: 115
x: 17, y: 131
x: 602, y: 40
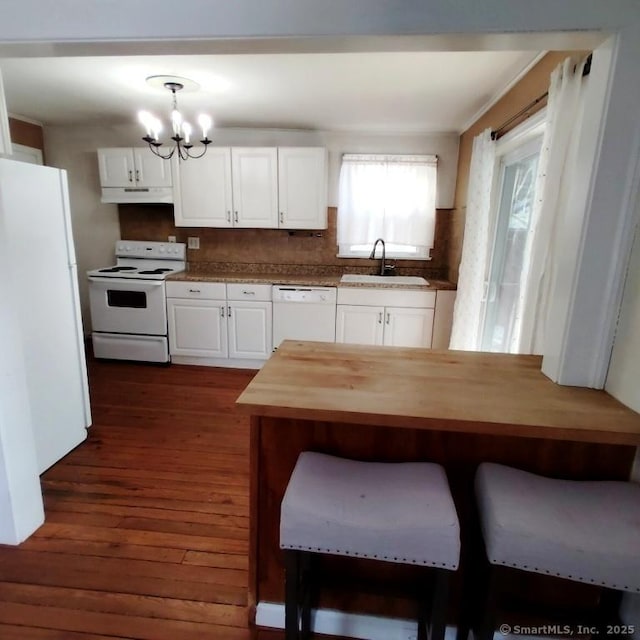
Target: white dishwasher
x: 304, y: 313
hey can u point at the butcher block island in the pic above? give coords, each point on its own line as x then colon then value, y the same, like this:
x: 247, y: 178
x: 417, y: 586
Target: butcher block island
x: 394, y: 404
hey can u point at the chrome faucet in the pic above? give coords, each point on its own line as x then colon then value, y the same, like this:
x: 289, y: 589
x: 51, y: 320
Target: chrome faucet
x: 373, y: 255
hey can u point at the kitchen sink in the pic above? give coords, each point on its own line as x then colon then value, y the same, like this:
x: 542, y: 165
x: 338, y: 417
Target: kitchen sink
x: 390, y: 280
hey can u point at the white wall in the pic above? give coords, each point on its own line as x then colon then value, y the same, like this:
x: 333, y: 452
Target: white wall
x: 195, y: 19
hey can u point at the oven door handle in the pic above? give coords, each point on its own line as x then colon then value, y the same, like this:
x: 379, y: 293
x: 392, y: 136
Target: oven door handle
x: 118, y: 282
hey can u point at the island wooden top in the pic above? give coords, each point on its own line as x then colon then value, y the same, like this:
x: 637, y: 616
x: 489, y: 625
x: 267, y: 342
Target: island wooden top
x: 499, y: 394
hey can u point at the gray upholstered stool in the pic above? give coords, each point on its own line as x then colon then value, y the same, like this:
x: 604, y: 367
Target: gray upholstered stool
x: 586, y: 531
x: 393, y: 512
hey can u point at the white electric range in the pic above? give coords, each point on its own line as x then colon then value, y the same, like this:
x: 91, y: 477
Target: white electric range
x: 127, y: 301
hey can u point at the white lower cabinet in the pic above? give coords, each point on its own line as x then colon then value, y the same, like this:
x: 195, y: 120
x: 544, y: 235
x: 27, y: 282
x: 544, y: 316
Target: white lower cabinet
x: 250, y: 329
x: 406, y: 327
x: 402, y: 318
x: 197, y: 328
x: 214, y: 322
x: 359, y: 324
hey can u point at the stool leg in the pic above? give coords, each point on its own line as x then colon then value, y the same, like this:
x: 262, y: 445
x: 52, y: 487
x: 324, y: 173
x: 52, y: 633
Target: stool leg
x: 488, y: 624
x: 306, y: 587
x: 292, y: 594
x: 608, y: 612
x: 438, y: 621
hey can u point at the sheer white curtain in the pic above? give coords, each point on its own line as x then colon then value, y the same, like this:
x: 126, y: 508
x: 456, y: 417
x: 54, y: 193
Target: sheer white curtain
x: 390, y: 197
x: 556, y: 169
x: 466, y: 331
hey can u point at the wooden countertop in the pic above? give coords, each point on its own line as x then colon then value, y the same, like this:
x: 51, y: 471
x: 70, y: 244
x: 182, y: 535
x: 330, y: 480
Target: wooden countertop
x: 318, y: 280
x: 497, y: 394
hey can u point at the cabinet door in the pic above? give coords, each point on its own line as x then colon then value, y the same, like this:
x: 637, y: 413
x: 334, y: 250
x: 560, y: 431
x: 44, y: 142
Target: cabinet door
x: 255, y: 187
x: 250, y: 330
x: 302, y: 187
x: 197, y: 328
x: 407, y: 327
x: 116, y: 167
x: 151, y: 171
x: 202, y: 190
x: 359, y: 325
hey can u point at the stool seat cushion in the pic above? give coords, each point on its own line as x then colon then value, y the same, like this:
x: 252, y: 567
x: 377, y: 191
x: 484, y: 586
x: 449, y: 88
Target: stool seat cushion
x: 587, y: 531
x: 395, y: 512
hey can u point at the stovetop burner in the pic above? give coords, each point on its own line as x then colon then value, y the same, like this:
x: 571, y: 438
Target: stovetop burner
x: 117, y: 269
x: 141, y: 260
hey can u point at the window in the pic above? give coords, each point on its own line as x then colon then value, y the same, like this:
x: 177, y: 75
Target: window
x: 392, y: 197
x: 513, y: 222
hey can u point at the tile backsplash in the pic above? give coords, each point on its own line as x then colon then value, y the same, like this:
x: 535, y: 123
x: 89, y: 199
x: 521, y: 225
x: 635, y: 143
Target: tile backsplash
x: 230, y: 249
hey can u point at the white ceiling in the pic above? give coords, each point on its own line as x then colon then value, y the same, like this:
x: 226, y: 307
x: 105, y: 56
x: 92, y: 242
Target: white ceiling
x: 381, y: 91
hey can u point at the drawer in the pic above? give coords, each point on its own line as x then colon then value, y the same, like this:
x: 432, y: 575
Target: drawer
x: 249, y: 292
x: 197, y: 290
x: 386, y: 297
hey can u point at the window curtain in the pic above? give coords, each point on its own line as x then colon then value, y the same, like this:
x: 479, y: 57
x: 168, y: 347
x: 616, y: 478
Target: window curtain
x: 467, y: 314
x: 556, y: 170
x: 390, y: 197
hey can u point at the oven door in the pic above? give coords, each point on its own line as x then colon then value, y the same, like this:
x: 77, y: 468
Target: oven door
x: 128, y: 306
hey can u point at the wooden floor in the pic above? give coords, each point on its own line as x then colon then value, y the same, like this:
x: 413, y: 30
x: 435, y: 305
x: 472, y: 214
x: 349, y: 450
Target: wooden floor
x: 146, y: 532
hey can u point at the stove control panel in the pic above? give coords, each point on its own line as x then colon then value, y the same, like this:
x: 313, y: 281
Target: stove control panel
x: 155, y: 250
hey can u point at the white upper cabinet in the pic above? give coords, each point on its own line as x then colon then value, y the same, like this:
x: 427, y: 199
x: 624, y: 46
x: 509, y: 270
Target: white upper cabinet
x: 151, y: 171
x: 132, y: 167
x: 203, y: 190
x: 254, y: 172
x: 302, y: 187
x: 253, y: 187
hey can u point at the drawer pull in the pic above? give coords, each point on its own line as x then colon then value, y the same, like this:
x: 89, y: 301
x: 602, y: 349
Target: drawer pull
x: 229, y: 313
x: 249, y: 293
x: 130, y: 176
x: 235, y: 216
x: 388, y: 317
x: 194, y: 290
x: 229, y: 217
x: 282, y: 217
x: 222, y: 312
x: 380, y: 318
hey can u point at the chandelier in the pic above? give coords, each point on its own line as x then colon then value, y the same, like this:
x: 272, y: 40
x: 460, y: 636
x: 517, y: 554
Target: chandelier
x: 182, y: 130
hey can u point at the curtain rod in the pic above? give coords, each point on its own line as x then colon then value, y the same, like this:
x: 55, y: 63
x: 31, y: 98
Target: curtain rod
x: 498, y: 132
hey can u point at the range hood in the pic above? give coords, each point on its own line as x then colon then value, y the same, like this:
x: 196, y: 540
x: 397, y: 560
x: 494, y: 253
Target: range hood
x: 124, y: 195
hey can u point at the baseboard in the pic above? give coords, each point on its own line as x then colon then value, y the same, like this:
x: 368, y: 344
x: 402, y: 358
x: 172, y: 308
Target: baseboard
x: 227, y: 363
x: 352, y: 625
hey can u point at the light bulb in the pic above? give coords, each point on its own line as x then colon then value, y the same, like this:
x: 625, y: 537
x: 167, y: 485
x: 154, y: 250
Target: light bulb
x: 205, y: 123
x: 146, y: 119
x: 156, y: 125
x: 176, y: 120
x: 186, y: 129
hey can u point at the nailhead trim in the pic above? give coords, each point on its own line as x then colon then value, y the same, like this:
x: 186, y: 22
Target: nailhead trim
x: 524, y: 567
x: 345, y: 552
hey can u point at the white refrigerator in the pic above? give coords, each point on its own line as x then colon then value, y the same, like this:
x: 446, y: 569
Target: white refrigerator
x: 40, y: 259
